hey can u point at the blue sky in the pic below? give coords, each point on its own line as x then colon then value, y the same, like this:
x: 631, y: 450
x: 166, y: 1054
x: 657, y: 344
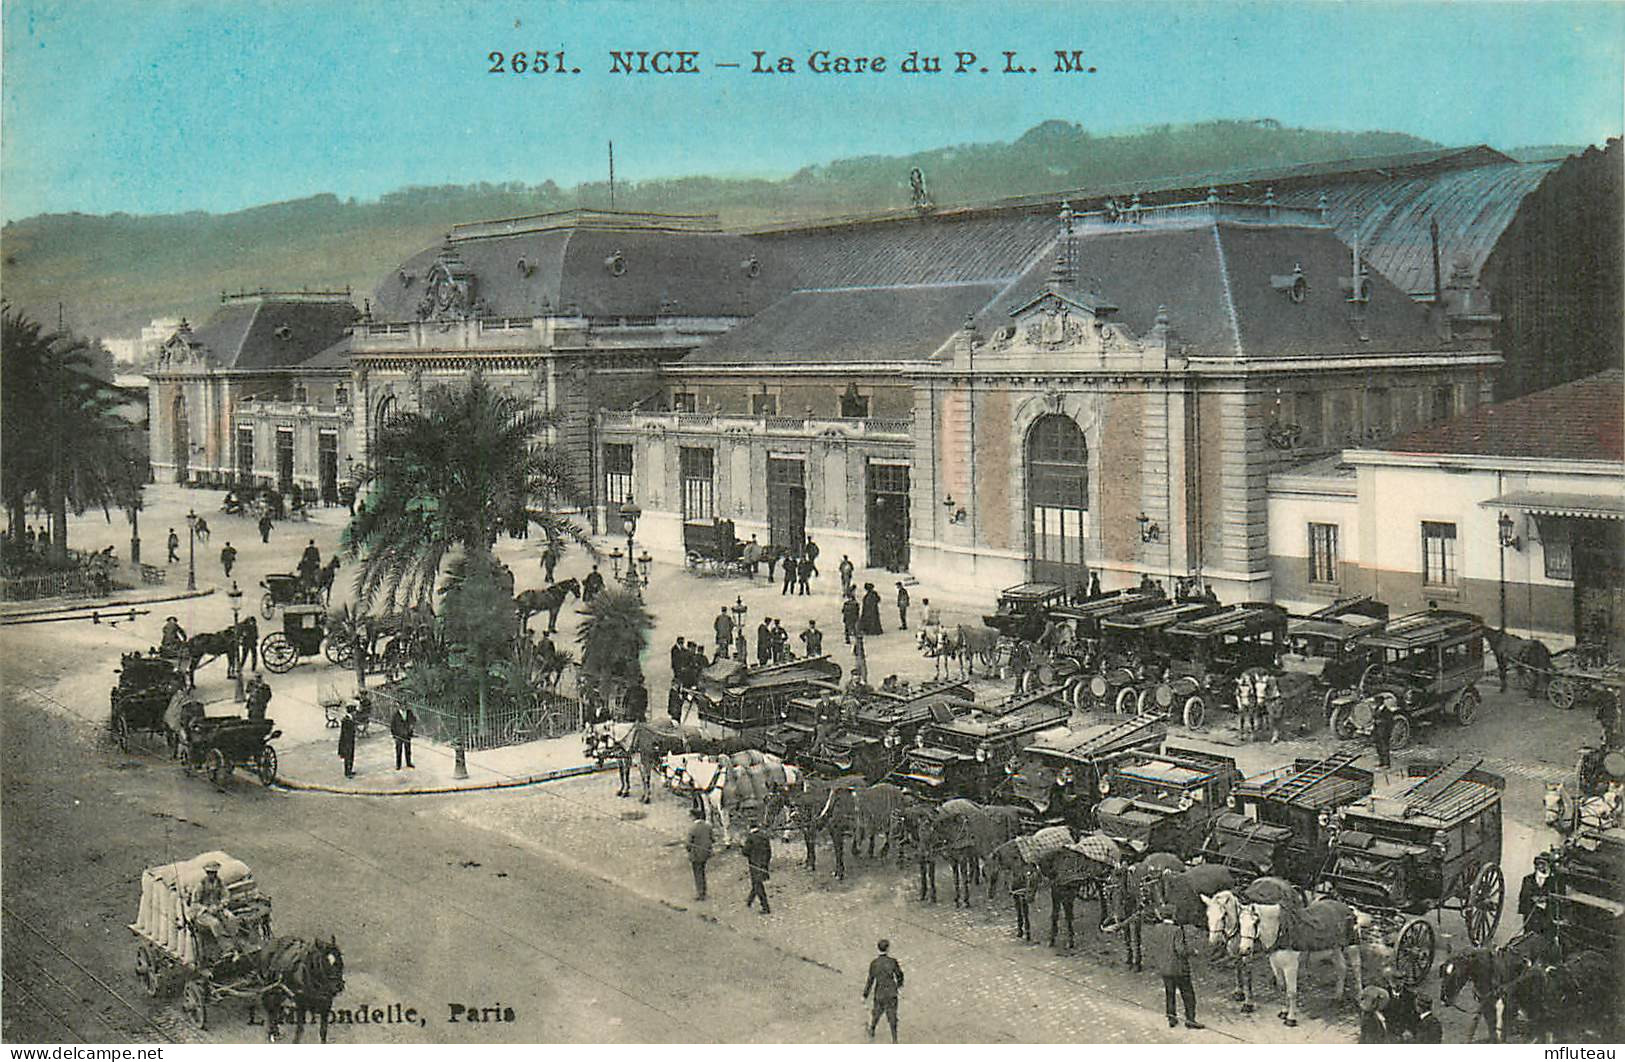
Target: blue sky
x: 157, y: 106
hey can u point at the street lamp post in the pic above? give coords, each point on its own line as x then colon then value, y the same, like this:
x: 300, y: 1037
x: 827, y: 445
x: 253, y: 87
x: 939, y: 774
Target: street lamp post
x: 629, y: 519
x: 1506, y: 533
x: 235, y: 595
x: 191, y: 550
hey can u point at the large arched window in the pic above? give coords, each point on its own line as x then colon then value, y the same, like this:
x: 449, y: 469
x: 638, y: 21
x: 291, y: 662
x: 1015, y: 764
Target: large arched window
x: 1057, y: 500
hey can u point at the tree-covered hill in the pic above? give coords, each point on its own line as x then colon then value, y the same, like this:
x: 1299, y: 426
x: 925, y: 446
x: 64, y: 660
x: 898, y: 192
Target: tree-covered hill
x: 115, y: 272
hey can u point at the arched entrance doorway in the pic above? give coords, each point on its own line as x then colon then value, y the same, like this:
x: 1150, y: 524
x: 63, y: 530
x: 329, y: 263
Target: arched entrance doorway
x: 1057, y: 500
x: 181, y: 440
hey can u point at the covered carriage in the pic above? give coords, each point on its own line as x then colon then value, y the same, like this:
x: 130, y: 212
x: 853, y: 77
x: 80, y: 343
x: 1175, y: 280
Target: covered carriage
x: 221, y: 744
x: 1206, y: 654
x: 965, y: 756
x: 304, y: 628
x: 1056, y: 779
x: 146, y: 683
x: 1279, y: 822
x: 1589, y: 908
x: 208, y: 954
x: 710, y: 548
x: 739, y: 697
x: 1134, y: 653
x: 1431, y: 843
x: 1164, y: 800
x: 867, y: 733
x: 1074, y: 657
x: 282, y: 588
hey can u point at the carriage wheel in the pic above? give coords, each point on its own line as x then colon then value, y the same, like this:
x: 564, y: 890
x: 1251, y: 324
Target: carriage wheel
x: 1125, y: 701
x: 268, y: 606
x: 121, y: 733
x: 1143, y: 700
x: 1401, y: 736
x: 1342, y: 723
x: 1561, y: 692
x: 340, y: 651
x: 215, y: 763
x: 277, y: 653
x: 146, y: 969
x: 265, y: 764
x: 195, y: 1002
x: 1194, y: 713
x: 1414, y: 951
x: 1484, y: 900
x: 1467, y: 706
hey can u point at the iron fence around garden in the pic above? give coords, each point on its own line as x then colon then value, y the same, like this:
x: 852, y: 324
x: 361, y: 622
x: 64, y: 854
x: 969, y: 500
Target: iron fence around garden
x: 545, y: 714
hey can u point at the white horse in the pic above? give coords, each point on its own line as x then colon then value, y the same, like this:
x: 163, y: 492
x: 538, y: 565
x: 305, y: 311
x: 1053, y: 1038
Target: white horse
x: 1223, y: 911
x: 941, y: 644
x: 1328, y: 929
x: 704, y: 778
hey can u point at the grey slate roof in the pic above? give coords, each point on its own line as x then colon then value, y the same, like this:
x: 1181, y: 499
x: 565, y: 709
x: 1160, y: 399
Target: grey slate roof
x: 693, y: 274
x: 271, y: 333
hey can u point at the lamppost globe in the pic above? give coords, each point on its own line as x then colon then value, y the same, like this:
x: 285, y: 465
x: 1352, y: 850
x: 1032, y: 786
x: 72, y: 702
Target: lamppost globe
x: 191, y: 550
x: 235, y: 596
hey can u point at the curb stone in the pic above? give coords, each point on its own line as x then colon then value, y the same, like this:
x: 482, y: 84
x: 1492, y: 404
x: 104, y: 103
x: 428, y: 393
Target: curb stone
x: 475, y: 787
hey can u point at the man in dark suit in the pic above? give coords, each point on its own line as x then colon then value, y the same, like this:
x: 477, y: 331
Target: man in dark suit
x: 679, y: 663
x: 885, y: 981
x: 1382, y: 728
x: 1534, y: 897
x: 347, y: 741
x: 764, y: 642
x: 401, y: 724
x: 759, y: 859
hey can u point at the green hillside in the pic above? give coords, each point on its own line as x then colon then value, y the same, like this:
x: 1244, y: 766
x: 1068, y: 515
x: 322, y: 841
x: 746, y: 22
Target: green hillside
x: 113, y: 273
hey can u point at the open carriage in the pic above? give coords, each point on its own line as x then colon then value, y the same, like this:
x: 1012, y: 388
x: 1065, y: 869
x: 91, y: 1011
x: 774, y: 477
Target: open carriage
x: 1431, y: 843
x: 1582, y: 674
x: 1279, y: 822
x: 221, y: 744
x: 209, y: 954
x: 146, y: 683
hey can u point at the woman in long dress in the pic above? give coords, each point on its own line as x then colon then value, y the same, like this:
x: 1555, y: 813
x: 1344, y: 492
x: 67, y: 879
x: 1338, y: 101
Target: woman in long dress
x: 869, y: 616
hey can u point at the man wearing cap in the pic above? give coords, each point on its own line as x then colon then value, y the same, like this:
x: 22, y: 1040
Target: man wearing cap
x: 700, y: 842
x: 347, y: 740
x: 1171, y: 953
x: 885, y: 981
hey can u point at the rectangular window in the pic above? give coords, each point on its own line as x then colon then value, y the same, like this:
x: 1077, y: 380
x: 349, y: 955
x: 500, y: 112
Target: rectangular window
x: 764, y: 405
x: 699, y: 484
x: 684, y: 401
x: 1444, y: 403
x: 1323, y: 553
x: 1438, y: 554
x: 617, y: 473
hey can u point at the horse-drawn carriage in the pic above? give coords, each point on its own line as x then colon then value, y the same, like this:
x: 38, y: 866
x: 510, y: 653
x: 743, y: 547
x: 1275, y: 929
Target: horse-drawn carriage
x: 1280, y: 821
x: 146, y: 683
x: 1207, y: 654
x: 1164, y: 800
x: 1429, y: 665
x: 1589, y: 911
x: 282, y: 589
x: 1430, y: 843
x: 221, y: 744
x: 711, y: 548
x: 739, y: 697
x: 1325, y: 647
x: 1019, y: 605
x: 304, y: 627
x: 965, y: 756
x: 1581, y: 675
x: 220, y: 946
x: 1056, y: 779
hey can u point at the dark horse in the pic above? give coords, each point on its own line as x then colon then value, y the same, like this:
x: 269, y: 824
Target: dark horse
x: 302, y: 977
x: 549, y: 601
x: 912, y: 829
x: 1528, y: 662
x: 804, y: 808
x: 1497, y: 977
x: 202, y: 648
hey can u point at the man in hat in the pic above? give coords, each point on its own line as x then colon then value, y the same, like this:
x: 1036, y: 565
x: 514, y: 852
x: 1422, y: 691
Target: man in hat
x: 592, y: 585
x: 764, y: 641
x: 813, y: 639
x: 885, y: 981
x: 1534, y: 897
x: 1171, y: 953
x: 724, y: 627
x: 846, y: 569
x: 902, y: 605
x: 211, y: 914
x: 173, y: 640
x: 1382, y: 727
x: 347, y: 740
x: 849, y: 615
x: 228, y: 557
x: 259, y: 697
x: 174, y: 546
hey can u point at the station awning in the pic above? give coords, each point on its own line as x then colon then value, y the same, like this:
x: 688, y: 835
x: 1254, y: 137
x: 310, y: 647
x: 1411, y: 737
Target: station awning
x: 1551, y: 503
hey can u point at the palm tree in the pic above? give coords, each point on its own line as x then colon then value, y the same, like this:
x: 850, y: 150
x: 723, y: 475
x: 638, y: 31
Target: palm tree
x: 453, y: 477
x: 64, y: 442
x: 613, y: 634
x: 442, y: 484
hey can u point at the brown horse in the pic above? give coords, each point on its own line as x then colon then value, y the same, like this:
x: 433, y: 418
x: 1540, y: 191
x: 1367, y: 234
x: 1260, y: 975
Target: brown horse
x: 301, y: 977
x: 550, y: 601
x: 968, y: 833
x: 802, y: 808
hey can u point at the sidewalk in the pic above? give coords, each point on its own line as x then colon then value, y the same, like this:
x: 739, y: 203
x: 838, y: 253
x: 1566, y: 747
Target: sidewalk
x: 315, y: 765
